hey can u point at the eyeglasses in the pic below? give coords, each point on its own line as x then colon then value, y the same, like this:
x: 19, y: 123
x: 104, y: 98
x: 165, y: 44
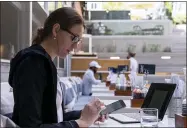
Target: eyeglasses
x: 75, y: 38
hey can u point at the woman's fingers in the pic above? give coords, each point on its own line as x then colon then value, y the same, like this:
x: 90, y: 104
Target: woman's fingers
x: 106, y: 116
x: 102, y: 118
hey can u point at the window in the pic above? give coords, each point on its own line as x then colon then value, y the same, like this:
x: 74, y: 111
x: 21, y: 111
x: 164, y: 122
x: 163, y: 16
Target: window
x: 41, y: 4
x: 51, y: 6
x: 59, y: 4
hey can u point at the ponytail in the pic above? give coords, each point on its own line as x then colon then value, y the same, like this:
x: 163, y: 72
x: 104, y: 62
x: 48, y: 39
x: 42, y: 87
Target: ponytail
x: 39, y: 37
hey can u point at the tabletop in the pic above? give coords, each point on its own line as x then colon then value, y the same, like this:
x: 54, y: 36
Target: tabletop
x: 103, y: 93
x: 166, y: 122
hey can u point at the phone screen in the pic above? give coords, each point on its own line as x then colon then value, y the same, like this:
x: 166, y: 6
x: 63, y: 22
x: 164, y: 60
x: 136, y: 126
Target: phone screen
x: 113, y: 107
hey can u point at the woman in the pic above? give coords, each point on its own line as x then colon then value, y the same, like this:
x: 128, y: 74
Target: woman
x: 33, y: 76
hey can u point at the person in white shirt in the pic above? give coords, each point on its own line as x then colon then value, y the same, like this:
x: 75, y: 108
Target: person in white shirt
x: 110, y: 73
x: 133, y: 67
x: 113, y: 77
x: 89, y: 78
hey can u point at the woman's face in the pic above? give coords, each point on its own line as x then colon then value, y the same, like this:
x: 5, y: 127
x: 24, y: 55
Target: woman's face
x: 67, y: 40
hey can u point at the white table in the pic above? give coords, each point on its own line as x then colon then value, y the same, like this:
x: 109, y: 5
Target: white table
x: 102, y: 90
x: 99, y: 86
x: 105, y: 96
x: 102, y: 94
x: 166, y: 122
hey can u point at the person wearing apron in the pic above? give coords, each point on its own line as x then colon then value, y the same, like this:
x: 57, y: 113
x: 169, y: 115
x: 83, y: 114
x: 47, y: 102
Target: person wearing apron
x: 133, y: 67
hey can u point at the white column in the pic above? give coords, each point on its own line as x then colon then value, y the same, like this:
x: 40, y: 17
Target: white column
x: 67, y: 65
x: 89, y: 15
x: 90, y: 41
x: 30, y: 23
x: 56, y: 4
x: 58, y: 62
x: 90, y: 44
x: 46, y: 6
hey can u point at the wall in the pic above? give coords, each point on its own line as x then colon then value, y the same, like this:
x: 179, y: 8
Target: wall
x: 77, y: 65
x: 111, y: 15
x: 78, y: 68
x: 121, y: 44
x: 107, y: 46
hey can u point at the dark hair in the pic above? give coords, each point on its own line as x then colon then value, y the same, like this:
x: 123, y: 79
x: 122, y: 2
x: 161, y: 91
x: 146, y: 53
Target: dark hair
x: 132, y: 54
x: 67, y: 17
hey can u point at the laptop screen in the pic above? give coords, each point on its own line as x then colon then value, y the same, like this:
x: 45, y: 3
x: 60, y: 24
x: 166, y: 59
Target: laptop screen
x: 158, y: 99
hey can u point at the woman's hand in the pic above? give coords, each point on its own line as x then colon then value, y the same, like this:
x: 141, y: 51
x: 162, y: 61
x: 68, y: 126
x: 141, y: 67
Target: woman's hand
x: 90, y: 113
x: 102, y: 118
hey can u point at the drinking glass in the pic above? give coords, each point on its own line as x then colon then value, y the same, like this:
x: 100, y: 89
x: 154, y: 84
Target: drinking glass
x: 149, y: 117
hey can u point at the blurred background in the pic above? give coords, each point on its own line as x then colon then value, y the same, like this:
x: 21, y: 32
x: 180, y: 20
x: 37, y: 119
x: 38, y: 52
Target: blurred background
x: 155, y: 30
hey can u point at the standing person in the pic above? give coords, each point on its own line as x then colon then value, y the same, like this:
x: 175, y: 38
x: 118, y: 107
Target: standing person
x: 109, y: 74
x: 133, y: 67
x: 89, y: 78
x: 33, y: 76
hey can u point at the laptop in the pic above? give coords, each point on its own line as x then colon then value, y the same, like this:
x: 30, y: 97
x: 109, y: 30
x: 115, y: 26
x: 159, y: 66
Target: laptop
x: 158, y: 96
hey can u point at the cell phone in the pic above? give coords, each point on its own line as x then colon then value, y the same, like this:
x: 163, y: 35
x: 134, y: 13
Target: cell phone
x: 113, y: 107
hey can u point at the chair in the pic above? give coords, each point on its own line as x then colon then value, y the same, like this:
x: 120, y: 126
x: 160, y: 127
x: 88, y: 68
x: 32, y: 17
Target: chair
x: 69, y: 94
x: 7, y: 99
x: 7, y: 123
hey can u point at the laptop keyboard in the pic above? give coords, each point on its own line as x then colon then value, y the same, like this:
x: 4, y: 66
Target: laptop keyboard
x: 133, y: 115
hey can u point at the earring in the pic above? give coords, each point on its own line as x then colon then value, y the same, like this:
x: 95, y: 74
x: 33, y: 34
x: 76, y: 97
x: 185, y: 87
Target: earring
x: 54, y: 38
